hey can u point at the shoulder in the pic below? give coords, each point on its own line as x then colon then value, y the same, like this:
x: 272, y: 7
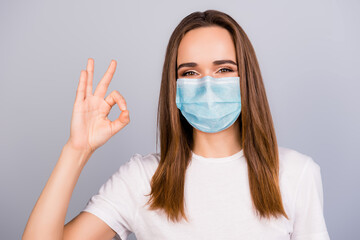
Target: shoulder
x: 146, y: 164
x: 301, y: 188
x: 295, y: 166
x: 296, y: 171
x: 139, y: 169
x: 119, y: 198
x: 295, y: 163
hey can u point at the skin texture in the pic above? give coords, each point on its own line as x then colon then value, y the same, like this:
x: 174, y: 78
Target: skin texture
x: 203, y: 46
x: 90, y: 129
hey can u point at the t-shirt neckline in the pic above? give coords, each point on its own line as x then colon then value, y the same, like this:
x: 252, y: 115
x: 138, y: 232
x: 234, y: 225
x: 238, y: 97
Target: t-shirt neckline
x: 220, y: 159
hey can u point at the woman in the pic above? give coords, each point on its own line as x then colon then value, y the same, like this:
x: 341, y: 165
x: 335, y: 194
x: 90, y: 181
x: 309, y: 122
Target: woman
x: 220, y: 173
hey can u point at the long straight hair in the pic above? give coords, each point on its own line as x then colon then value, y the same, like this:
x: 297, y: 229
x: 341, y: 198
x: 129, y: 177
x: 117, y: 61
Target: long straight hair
x: 256, y: 126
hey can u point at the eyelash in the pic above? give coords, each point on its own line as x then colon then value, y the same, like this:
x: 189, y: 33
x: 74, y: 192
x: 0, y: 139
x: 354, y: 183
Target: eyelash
x: 228, y: 70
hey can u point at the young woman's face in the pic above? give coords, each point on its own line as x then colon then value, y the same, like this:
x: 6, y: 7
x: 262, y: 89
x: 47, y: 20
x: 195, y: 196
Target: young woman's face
x: 207, y: 51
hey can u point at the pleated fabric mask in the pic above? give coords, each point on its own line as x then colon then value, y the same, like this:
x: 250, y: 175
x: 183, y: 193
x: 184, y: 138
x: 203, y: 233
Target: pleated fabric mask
x: 209, y: 104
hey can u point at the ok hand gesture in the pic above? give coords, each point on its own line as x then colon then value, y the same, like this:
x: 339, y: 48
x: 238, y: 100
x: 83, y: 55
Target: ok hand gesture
x: 90, y: 127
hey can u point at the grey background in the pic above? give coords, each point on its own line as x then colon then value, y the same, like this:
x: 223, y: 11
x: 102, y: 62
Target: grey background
x: 308, y: 53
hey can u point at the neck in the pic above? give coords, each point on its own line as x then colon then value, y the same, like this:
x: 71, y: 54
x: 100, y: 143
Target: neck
x: 216, y: 145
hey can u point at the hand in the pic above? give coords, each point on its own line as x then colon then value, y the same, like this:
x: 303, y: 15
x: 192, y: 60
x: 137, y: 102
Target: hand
x: 90, y: 127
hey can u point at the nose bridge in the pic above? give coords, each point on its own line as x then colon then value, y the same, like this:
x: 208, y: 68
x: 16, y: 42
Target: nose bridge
x: 208, y: 72
x: 208, y: 89
x: 206, y: 68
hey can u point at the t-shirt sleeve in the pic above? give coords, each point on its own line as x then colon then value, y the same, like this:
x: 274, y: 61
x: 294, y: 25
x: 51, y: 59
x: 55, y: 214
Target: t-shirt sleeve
x: 116, y: 201
x: 309, y: 222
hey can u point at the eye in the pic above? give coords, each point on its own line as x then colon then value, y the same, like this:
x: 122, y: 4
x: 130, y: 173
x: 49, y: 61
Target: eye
x: 186, y: 73
x: 225, y: 70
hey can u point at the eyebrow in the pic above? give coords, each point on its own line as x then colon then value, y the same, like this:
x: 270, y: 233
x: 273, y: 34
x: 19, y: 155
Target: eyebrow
x: 217, y: 62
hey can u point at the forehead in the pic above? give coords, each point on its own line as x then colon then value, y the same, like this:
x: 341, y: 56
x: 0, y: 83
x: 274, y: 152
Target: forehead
x: 206, y: 44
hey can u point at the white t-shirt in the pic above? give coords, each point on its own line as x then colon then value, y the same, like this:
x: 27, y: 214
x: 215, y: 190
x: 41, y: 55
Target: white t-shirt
x: 218, y: 201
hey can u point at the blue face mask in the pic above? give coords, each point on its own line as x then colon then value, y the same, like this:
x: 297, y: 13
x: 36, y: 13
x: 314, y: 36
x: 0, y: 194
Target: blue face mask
x: 209, y: 104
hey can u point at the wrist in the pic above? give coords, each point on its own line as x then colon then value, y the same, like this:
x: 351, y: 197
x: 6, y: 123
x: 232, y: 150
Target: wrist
x: 81, y: 156
x: 69, y: 144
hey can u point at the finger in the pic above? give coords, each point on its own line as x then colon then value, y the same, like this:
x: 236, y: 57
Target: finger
x: 115, y: 97
x: 120, y: 122
x: 80, y: 93
x: 90, y: 74
x: 105, y: 81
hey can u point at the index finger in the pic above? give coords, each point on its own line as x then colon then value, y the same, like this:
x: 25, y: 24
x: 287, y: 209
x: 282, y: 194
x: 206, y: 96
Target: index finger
x: 105, y: 81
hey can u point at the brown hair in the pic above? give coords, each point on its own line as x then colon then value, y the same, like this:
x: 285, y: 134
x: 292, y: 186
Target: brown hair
x: 176, y: 134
